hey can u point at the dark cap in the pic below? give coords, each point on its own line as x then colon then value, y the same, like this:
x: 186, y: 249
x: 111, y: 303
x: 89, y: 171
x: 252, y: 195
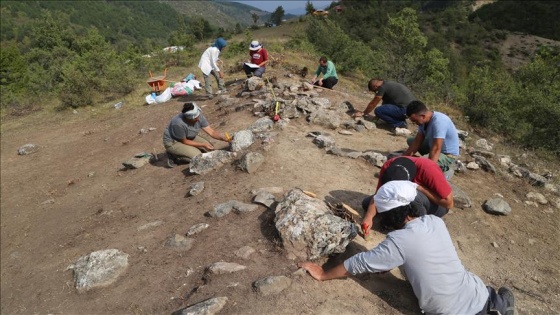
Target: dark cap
x: 401, y: 168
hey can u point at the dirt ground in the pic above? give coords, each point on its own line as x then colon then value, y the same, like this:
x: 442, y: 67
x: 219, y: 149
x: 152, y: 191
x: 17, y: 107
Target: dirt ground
x: 72, y: 198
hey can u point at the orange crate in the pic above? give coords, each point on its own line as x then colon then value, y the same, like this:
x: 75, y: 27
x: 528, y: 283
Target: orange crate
x: 157, y: 83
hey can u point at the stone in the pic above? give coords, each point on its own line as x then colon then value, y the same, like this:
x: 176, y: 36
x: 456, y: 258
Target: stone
x: 345, y: 132
x: 251, y: 162
x: 98, y: 269
x: 505, y: 160
x: 324, y: 141
x: 538, y: 197
x: 309, y: 229
x: 221, y: 267
x: 533, y: 178
x: 462, y: 134
x: 460, y: 198
x: 28, y: 149
x: 367, y: 124
x: 483, y: 143
x: 307, y: 86
x: 244, y: 252
x: 264, y: 198
x: 374, y: 158
x: 402, y: 132
x: 472, y: 166
x: 242, y: 140
x: 360, y: 128
x: 150, y: 225
x: 322, y: 103
x: 484, y: 164
x: 207, y: 307
x: 231, y: 205
x: 196, y: 188
x: 254, y: 83
x: 197, y: 228
x: 262, y: 124
x: 290, y: 112
x: 137, y: 162
x: 326, y: 118
x: 179, y: 241
x: 271, y: 190
x: 343, y: 152
x: 496, y: 206
x: 272, y: 285
x: 209, y: 161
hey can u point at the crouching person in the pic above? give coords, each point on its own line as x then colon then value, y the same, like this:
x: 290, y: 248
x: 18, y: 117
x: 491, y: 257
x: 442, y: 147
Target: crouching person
x: 423, y: 247
x: 181, y: 139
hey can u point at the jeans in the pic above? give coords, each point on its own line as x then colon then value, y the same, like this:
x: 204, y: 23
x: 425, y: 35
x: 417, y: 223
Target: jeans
x: 257, y: 72
x: 328, y: 83
x: 208, y: 82
x: 392, y: 114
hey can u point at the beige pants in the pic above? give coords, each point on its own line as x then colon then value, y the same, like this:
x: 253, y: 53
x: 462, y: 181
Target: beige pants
x: 181, y: 151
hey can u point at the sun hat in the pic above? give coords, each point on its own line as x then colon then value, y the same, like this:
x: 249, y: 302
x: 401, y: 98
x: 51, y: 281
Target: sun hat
x: 401, y: 168
x: 193, y: 113
x: 394, y: 194
x: 255, y: 45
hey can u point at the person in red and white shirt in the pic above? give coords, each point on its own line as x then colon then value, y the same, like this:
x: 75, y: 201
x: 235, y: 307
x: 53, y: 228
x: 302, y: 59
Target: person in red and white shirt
x: 256, y: 66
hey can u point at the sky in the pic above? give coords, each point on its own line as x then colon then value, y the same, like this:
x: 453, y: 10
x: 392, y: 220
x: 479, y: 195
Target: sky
x: 296, y: 7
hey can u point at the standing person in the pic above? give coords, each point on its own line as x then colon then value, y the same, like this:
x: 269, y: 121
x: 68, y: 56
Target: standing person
x: 259, y: 57
x: 394, y: 96
x: 209, y: 65
x: 435, y: 195
x: 437, y: 137
x: 181, y: 139
x: 423, y: 247
x: 326, y: 67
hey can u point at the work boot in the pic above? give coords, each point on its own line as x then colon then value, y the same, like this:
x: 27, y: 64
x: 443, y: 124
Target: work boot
x: 508, y: 297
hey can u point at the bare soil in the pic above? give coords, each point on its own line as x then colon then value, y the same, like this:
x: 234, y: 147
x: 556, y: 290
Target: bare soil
x: 72, y: 198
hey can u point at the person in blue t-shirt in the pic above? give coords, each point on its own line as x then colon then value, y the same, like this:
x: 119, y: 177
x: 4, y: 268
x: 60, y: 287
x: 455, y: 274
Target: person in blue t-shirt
x: 437, y: 137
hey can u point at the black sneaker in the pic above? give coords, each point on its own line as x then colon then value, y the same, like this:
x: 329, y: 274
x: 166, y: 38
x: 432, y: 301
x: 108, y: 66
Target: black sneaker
x: 170, y: 162
x: 508, y: 297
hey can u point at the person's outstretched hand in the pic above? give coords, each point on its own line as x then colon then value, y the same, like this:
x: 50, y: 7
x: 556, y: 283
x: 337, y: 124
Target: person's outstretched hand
x: 208, y: 146
x: 314, y: 270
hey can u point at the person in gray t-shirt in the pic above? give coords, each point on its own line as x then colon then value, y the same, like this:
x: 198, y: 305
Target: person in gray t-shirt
x: 395, y: 98
x: 424, y: 249
x: 181, y: 139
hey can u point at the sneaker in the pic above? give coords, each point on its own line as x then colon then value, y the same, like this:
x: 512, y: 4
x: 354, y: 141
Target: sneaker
x: 509, y: 299
x: 170, y: 162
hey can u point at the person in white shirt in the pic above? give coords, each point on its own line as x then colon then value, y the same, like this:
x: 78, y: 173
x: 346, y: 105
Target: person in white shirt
x: 424, y: 249
x: 209, y: 65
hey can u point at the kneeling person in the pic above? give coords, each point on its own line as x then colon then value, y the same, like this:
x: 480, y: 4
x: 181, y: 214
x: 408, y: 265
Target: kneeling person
x: 181, y: 139
x: 423, y: 247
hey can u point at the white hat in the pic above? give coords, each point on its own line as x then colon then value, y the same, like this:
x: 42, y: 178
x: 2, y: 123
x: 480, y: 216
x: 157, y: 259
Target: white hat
x: 255, y: 45
x: 394, y: 194
x: 193, y: 113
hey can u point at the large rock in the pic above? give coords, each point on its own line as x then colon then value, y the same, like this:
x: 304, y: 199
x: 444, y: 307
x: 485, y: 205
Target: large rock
x: 326, y: 118
x: 226, y: 207
x: 99, y: 269
x: 251, y: 161
x: 208, y: 307
x: 222, y: 267
x: 374, y: 158
x: 254, y: 83
x: 28, y: 149
x: 460, y: 198
x: 272, y: 285
x: 324, y: 141
x: 309, y: 229
x: 496, y: 206
x: 262, y: 124
x: 242, y: 140
x: 207, y: 162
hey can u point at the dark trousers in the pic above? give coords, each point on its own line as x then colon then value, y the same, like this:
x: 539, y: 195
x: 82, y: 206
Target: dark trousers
x: 257, y: 72
x: 422, y: 203
x: 328, y: 82
x: 495, y: 303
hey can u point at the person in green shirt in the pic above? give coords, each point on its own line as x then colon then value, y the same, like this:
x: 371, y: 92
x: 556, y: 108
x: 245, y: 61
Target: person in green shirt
x: 326, y: 67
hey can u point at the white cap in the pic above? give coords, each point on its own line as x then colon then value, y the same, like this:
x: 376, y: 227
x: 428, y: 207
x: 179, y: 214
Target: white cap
x: 394, y: 194
x: 255, y: 45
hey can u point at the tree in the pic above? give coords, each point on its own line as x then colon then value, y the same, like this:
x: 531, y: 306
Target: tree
x: 277, y: 16
x: 309, y: 8
x: 255, y: 18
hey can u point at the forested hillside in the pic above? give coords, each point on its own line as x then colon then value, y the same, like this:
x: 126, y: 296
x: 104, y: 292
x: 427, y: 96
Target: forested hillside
x: 82, y: 53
